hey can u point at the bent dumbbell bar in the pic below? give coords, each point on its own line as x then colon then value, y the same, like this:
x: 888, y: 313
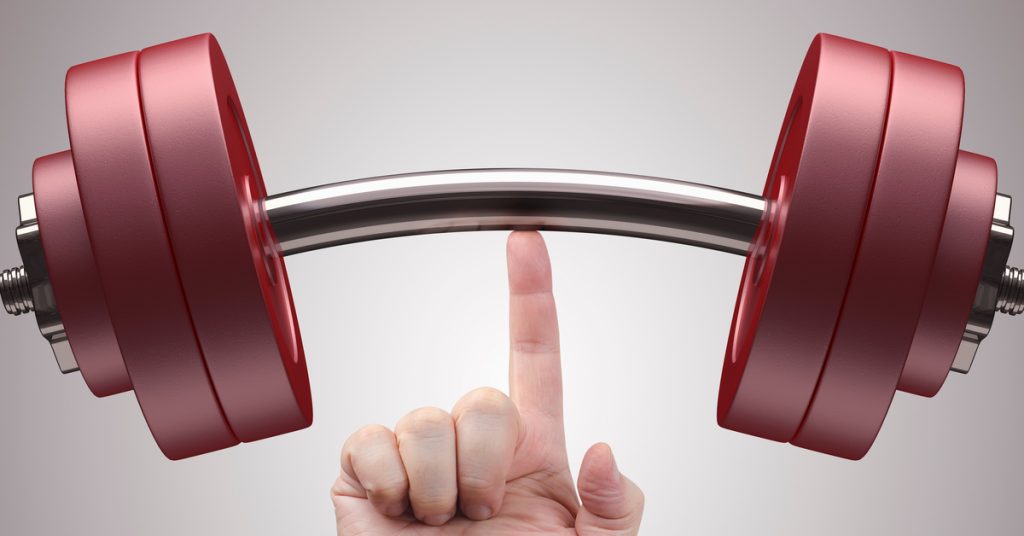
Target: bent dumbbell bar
x: 495, y: 199
x: 153, y: 258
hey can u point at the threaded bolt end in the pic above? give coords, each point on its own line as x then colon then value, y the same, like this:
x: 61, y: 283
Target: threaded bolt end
x: 15, y: 292
x: 1010, y: 299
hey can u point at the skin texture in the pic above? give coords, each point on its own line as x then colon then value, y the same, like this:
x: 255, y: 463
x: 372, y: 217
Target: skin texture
x: 496, y: 464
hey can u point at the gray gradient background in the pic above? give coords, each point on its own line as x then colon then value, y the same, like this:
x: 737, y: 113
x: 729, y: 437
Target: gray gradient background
x: 675, y: 89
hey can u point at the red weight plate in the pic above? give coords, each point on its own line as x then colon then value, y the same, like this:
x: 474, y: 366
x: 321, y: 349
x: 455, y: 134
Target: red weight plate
x: 955, y: 276
x: 231, y: 269
x: 890, y: 276
x: 72, y: 270
x: 795, y: 276
x: 134, y: 259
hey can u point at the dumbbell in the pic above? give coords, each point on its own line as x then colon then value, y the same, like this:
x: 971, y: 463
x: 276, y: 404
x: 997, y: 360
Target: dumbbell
x: 153, y: 257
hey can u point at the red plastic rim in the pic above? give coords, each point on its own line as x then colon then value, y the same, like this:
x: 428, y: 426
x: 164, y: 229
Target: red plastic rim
x: 955, y: 275
x: 72, y: 269
x: 897, y: 250
x: 234, y: 277
x: 795, y: 277
x: 134, y: 259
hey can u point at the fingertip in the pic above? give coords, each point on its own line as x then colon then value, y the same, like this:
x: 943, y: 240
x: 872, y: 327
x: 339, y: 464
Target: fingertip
x: 602, y: 488
x: 396, y: 509
x: 437, y: 520
x: 611, y: 502
x: 477, y: 512
x: 517, y: 239
x: 529, y: 268
x: 599, y: 467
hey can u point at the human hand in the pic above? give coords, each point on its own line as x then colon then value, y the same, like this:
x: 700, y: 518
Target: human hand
x: 501, y: 460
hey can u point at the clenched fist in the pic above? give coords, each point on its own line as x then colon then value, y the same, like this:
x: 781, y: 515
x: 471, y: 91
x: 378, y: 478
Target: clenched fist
x: 497, y: 464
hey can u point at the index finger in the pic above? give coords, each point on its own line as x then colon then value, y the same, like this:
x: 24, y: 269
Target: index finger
x: 535, y: 367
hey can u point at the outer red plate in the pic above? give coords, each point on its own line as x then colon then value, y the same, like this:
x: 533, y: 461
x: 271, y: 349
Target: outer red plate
x: 134, y: 259
x: 234, y: 277
x: 955, y: 275
x: 794, y: 280
x: 72, y: 270
x: 897, y: 250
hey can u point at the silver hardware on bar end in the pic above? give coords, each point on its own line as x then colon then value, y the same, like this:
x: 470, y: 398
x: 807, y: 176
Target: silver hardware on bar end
x: 990, y: 287
x: 1011, y: 292
x: 15, y: 291
x: 29, y: 287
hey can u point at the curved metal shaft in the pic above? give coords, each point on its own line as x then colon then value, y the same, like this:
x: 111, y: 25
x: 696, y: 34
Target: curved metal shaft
x: 478, y: 199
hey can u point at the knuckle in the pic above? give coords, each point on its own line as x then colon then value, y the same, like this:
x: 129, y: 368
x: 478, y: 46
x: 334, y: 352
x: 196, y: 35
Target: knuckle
x: 485, y: 401
x: 602, y: 490
x: 390, y: 490
x: 534, y: 347
x: 426, y: 422
x: 371, y: 433
x: 363, y: 436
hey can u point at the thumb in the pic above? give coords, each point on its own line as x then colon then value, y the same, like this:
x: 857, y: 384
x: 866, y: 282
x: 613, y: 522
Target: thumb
x: 612, y: 503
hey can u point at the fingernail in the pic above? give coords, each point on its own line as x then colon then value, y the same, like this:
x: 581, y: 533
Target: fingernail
x: 478, y: 512
x: 437, y: 520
